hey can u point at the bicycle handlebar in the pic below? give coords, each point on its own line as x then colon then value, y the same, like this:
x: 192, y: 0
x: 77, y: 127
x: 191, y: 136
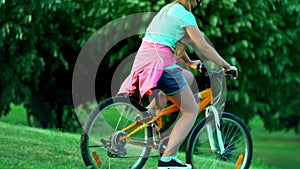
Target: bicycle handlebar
x: 231, y: 74
x: 203, y: 69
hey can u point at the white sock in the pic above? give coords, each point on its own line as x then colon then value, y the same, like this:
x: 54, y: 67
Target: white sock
x: 167, y: 159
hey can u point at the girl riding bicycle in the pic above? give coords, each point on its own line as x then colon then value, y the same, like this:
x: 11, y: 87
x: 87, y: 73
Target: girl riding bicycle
x: 155, y: 67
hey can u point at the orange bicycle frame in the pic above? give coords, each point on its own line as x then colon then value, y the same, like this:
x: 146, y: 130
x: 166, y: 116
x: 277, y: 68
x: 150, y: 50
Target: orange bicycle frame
x: 206, y: 99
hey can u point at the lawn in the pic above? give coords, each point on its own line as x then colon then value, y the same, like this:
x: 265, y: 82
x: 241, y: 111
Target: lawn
x: 23, y: 147
x: 280, y: 149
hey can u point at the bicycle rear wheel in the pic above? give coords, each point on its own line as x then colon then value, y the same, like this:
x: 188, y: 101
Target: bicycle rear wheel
x: 102, y: 145
x: 237, y: 143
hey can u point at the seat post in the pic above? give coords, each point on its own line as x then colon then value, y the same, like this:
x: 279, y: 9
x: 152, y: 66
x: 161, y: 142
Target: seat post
x: 158, y: 109
x: 156, y: 97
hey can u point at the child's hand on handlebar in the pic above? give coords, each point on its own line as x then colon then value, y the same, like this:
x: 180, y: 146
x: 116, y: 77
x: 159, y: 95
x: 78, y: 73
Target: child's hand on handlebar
x: 194, y: 64
x: 231, y: 72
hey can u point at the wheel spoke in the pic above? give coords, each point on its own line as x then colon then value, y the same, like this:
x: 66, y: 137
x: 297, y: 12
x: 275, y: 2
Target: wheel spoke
x: 102, y: 143
x: 236, y: 142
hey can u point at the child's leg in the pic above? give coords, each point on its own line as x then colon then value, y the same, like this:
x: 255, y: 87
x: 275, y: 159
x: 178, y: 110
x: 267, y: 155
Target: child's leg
x: 189, y: 110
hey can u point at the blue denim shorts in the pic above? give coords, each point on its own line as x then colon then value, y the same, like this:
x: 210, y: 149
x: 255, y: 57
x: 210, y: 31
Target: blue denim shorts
x: 172, y: 81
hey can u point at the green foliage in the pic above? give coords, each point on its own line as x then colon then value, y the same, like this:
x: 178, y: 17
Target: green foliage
x: 260, y: 38
x: 40, y: 42
x: 37, y: 45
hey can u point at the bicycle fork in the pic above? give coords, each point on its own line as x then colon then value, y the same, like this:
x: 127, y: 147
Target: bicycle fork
x: 217, y: 126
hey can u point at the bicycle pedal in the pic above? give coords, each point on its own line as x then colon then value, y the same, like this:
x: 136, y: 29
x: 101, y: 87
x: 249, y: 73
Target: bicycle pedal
x: 106, y: 144
x: 115, y: 153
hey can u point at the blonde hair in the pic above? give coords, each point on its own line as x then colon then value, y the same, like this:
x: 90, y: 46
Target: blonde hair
x: 181, y: 44
x: 186, y: 4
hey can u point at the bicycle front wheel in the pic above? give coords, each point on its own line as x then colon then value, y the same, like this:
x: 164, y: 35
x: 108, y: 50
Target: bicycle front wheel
x: 102, y: 141
x: 237, y: 143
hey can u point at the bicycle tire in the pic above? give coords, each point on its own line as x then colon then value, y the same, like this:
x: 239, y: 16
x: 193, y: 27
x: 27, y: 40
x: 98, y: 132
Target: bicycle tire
x: 100, y: 125
x: 237, y: 142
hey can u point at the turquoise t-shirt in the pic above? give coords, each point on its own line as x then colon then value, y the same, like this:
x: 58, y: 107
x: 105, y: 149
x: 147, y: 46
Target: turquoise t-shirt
x: 167, y: 27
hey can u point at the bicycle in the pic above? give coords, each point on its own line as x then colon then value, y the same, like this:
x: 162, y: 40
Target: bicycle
x: 122, y: 133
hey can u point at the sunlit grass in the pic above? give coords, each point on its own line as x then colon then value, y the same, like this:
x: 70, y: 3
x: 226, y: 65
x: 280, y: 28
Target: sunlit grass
x: 23, y: 147
x: 279, y: 149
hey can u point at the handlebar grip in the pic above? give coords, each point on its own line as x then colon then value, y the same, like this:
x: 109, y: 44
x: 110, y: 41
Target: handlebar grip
x: 231, y: 74
x: 202, y: 68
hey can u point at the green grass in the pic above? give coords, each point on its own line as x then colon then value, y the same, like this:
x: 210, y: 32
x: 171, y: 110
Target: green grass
x: 279, y: 149
x: 17, y: 115
x: 23, y: 147
x: 256, y: 163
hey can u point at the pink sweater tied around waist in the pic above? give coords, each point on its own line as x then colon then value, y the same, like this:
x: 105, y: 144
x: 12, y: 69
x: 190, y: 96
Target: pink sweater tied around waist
x: 148, y: 66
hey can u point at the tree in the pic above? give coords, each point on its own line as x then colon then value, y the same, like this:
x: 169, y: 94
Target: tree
x: 259, y: 37
x: 40, y: 42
